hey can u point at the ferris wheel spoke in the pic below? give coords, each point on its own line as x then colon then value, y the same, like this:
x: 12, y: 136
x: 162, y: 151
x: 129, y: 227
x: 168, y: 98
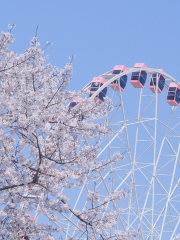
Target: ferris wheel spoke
x: 171, y: 147
x: 163, y: 167
x: 147, y: 124
x: 115, y: 113
x: 147, y: 130
x: 174, y: 127
x: 59, y: 226
x: 113, y: 200
x: 147, y: 106
x: 124, y: 144
x: 171, y: 129
x: 132, y: 175
x: 144, y: 151
x: 122, y: 181
x: 110, y: 142
x: 110, y: 157
x: 75, y: 207
x: 173, y: 208
x: 74, y: 224
x: 139, y: 168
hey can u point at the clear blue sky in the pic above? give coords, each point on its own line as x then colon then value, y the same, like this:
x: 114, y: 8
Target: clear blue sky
x: 101, y: 33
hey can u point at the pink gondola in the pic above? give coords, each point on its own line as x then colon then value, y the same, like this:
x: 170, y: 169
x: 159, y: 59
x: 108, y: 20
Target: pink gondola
x: 138, y: 79
x: 96, y: 83
x: 75, y: 102
x: 123, y: 80
x: 161, y: 82
x: 173, y: 97
x: 31, y: 217
x: 33, y: 174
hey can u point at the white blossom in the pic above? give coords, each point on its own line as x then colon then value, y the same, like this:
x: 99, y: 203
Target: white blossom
x: 41, y: 151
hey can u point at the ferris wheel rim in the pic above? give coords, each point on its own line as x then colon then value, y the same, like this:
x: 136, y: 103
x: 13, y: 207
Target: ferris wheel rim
x: 149, y: 70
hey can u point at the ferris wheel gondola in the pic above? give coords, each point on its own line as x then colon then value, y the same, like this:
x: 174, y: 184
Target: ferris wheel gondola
x: 98, y: 82
x: 161, y: 82
x: 173, y: 97
x: 123, y: 80
x: 138, y: 78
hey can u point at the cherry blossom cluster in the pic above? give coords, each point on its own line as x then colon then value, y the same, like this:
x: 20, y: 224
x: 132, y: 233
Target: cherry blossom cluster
x: 41, y: 150
x: 99, y: 222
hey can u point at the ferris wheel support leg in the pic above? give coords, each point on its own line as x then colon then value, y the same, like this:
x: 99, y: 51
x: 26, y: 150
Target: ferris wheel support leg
x: 169, y: 192
x: 107, y: 124
x: 139, y: 110
x: 154, y: 163
x: 135, y: 153
x: 160, y: 151
x: 132, y: 169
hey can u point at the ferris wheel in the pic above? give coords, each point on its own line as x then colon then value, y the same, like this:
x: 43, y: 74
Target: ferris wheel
x: 146, y: 129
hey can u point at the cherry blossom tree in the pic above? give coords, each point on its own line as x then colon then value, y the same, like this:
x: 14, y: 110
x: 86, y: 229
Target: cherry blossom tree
x: 40, y: 150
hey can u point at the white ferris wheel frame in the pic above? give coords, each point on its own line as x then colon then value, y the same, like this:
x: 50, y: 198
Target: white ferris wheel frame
x: 112, y: 78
